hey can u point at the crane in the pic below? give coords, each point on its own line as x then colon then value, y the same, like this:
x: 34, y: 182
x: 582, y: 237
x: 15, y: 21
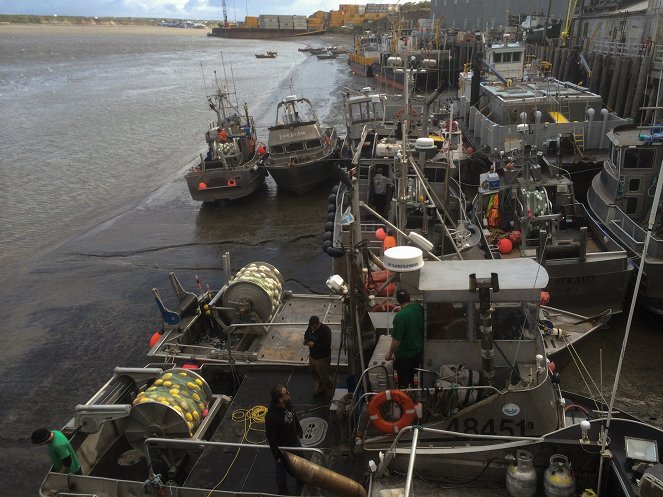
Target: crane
x: 225, y: 14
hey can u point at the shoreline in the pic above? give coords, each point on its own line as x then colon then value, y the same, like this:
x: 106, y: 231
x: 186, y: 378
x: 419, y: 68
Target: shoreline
x: 59, y: 28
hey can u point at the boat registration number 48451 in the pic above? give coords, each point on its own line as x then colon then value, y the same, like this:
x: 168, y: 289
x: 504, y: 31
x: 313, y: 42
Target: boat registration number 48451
x: 491, y: 426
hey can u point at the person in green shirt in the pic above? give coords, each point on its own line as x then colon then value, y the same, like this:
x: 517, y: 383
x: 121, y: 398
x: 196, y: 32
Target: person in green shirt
x: 407, y: 340
x: 62, y: 453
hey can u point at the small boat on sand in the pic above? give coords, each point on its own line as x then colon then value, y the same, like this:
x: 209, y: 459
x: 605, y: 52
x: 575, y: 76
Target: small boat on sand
x: 326, y: 56
x: 266, y: 55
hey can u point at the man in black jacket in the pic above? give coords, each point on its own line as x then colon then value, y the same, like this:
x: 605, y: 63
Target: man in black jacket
x: 317, y: 338
x: 283, y: 430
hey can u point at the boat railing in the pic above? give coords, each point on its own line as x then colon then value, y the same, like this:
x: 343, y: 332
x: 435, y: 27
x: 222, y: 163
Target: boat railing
x: 412, y: 451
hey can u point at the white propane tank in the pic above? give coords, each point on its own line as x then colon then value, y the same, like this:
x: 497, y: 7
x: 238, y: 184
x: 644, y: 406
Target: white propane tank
x: 558, y: 479
x: 520, y: 476
x: 386, y: 149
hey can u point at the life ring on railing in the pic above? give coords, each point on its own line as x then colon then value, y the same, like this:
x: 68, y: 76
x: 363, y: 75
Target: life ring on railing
x: 412, y: 112
x: 385, y: 307
x: 232, y: 182
x: 407, y: 411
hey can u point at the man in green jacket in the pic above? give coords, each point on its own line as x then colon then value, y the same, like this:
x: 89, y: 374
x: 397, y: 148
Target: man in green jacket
x: 62, y: 453
x: 407, y: 341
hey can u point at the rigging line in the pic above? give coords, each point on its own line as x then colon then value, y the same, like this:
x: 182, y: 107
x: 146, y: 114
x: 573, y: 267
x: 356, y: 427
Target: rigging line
x: 576, y: 358
x: 572, y: 348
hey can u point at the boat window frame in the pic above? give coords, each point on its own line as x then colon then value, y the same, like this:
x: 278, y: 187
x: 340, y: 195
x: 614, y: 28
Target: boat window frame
x: 317, y: 144
x: 276, y: 149
x: 293, y: 147
x: 636, y: 158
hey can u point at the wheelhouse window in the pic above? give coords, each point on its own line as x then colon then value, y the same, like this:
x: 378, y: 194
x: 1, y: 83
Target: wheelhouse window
x: 510, y: 321
x: 294, y: 147
x: 276, y: 149
x: 313, y: 143
x: 634, y: 185
x: 516, y: 56
x: 639, y: 158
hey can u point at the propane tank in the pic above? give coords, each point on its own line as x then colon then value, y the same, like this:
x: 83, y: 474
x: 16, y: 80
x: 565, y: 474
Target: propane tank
x: 520, y: 476
x: 558, y: 478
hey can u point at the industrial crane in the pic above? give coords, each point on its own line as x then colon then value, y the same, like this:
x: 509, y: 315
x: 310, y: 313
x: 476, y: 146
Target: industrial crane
x: 225, y: 14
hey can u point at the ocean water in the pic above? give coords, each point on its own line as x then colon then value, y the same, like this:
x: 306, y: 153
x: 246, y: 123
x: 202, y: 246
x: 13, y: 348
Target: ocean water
x: 96, y: 118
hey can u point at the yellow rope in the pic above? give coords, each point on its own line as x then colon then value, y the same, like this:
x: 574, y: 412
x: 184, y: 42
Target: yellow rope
x: 254, y: 420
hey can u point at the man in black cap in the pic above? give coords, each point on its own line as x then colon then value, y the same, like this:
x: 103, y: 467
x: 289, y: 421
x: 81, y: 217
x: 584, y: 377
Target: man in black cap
x: 317, y: 338
x: 283, y: 430
x: 63, y: 455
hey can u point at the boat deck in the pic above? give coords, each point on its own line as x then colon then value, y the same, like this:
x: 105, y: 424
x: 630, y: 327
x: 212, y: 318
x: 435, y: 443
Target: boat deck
x: 250, y: 468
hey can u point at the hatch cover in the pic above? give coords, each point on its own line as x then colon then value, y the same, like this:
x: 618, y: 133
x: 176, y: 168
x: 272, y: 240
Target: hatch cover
x: 315, y: 430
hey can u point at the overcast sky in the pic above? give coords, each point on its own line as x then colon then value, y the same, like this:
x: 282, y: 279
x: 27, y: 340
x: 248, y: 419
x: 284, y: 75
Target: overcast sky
x: 185, y: 9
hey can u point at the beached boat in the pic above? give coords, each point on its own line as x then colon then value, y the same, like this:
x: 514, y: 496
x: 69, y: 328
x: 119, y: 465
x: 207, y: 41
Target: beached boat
x: 233, y: 167
x: 300, y: 149
x: 338, y: 50
x: 487, y: 407
x: 326, y: 56
x: 266, y: 55
x: 621, y: 198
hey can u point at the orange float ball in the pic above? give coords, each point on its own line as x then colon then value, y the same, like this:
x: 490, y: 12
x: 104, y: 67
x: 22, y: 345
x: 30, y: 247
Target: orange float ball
x: 380, y: 234
x: 202, y: 186
x: 154, y: 338
x: 504, y: 246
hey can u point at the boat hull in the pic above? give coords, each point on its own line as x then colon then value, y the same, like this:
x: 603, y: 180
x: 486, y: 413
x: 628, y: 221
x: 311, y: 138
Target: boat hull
x: 224, y: 184
x: 360, y: 69
x: 262, y: 34
x: 302, y: 177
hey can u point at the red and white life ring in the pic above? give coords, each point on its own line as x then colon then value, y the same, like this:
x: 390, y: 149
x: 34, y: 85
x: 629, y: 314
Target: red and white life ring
x: 402, y: 399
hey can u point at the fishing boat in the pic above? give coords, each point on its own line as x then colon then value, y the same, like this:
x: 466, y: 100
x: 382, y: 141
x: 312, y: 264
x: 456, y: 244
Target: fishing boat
x: 422, y: 218
x: 515, y: 104
x: 621, y: 198
x: 327, y: 56
x: 486, y: 407
x: 266, y: 55
x: 400, y: 54
x: 365, y: 52
x: 529, y: 209
x: 300, y: 149
x: 233, y: 167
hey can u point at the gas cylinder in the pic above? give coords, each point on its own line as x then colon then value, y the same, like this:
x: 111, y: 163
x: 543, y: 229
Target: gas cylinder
x: 558, y: 478
x: 520, y: 476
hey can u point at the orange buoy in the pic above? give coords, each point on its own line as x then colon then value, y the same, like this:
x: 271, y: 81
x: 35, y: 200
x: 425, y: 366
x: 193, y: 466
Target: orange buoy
x: 504, y: 246
x: 232, y: 182
x: 407, y: 409
x: 202, y: 186
x: 154, y: 338
x: 380, y: 234
x: 189, y: 365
